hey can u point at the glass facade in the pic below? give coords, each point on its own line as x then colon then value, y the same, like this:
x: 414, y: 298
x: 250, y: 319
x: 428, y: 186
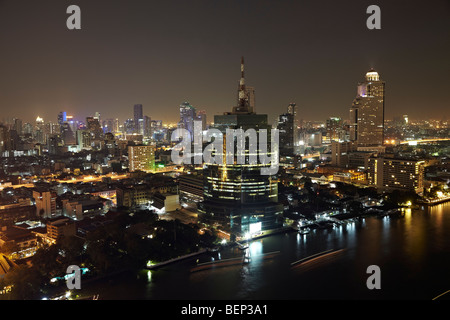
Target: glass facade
x: 237, y: 196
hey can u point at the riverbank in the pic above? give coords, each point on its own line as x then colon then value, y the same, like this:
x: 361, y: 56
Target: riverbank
x: 434, y: 202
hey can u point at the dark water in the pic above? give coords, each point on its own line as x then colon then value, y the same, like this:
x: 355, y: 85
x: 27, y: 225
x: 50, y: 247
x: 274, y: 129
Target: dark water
x: 413, y: 253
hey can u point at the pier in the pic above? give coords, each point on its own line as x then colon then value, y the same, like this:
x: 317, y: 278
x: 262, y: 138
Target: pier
x: 167, y: 262
x: 245, y: 259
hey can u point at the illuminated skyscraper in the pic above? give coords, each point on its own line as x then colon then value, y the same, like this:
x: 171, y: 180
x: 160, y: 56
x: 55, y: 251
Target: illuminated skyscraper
x: 237, y: 196
x: 367, y: 112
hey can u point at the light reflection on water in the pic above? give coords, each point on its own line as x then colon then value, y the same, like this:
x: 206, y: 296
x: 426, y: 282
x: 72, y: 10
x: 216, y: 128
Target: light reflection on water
x: 411, y: 251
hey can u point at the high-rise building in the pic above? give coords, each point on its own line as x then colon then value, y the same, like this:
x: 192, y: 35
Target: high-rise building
x: 141, y: 158
x: 67, y: 135
x: 367, y: 112
x: 147, y: 127
x: 201, y: 116
x: 138, y: 118
x: 94, y: 127
x: 62, y: 117
x: 4, y: 139
x: 286, y: 132
x: 17, y: 126
x: 108, y: 125
x: 334, y: 129
x: 28, y: 129
x: 237, y: 196
x: 340, y: 151
x: 83, y: 139
x: 389, y: 173
x: 187, y: 117
x: 292, y: 109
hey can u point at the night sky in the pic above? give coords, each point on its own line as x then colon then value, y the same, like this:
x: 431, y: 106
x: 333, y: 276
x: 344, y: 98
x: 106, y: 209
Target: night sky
x: 161, y: 53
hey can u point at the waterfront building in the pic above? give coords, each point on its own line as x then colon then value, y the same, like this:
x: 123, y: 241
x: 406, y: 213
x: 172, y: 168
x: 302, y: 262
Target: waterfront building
x: 237, y: 196
x: 367, y: 112
x: 390, y: 173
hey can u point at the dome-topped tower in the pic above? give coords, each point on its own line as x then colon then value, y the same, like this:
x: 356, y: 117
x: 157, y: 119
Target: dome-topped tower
x: 372, y: 75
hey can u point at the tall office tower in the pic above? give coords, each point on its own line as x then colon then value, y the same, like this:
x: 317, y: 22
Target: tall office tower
x: 28, y: 129
x: 340, y: 153
x: 73, y: 124
x: 62, y: 117
x: 141, y: 158
x: 138, y: 115
x: 292, y: 109
x: 4, y: 138
x: 53, y: 144
x: 108, y: 125
x: 83, y: 139
x: 17, y: 126
x: 94, y: 127
x: 147, y: 127
x: 389, y: 173
x: 201, y: 116
x: 67, y: 135
x: 187, y: 117
x: 236, y: 195
x: 367, y: 112
x: 286, y: 131
x: 39, y: 134
x: 116, y: 125
x: 129, y: 126
x: 334, y: 127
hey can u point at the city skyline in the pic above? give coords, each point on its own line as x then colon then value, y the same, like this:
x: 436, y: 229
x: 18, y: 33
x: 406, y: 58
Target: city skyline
x: 138, y: 162
x: 309, y: 54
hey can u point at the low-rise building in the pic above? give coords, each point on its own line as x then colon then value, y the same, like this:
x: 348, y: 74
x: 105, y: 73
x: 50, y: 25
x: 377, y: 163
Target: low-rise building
x: 191, y: 187
x: 166, y: 202
x: 18, y: 242
x: 60, y: 227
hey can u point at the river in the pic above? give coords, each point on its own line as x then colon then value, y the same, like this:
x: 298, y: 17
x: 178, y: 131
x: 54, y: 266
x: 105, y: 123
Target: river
x: 412, y: 252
